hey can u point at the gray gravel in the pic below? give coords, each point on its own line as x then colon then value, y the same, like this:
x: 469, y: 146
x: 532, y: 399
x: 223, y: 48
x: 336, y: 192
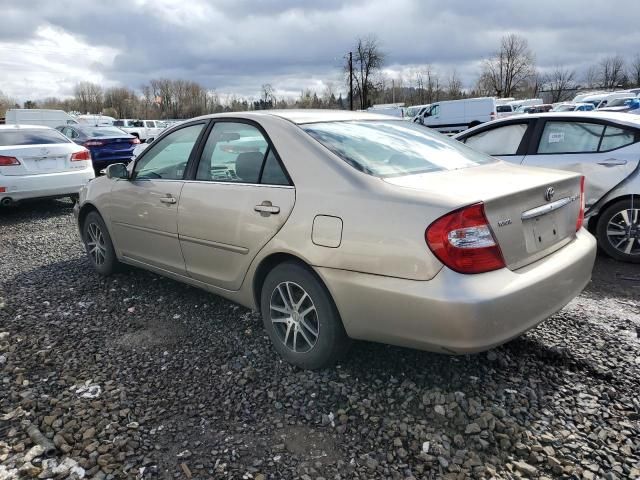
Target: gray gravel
x: 140, y: 376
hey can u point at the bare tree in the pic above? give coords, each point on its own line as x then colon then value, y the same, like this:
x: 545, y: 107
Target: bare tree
x: 510, y: 67
x: 611, y: 72
x: 122, y: 100
x: 454, y: 86
x: 560, y: 82
x: 367, y: 62
x: 6, y: 103
x: 88, y: 97
x: 634, y: 71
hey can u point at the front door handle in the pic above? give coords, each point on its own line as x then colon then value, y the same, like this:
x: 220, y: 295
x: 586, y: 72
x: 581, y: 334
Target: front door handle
x: 612, y: 162
x: 266, y: 208
x: 168, y: 199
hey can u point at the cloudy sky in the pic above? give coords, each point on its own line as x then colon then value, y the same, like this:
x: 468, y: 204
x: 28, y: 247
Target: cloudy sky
x: 235, y: 46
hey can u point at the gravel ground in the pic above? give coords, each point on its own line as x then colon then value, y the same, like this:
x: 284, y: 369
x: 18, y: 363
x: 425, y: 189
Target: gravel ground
x: 136, y: 375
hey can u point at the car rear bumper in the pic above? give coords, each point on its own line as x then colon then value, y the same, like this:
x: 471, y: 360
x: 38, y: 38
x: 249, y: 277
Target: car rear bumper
x: 457, y: 313
x: 22, y: 187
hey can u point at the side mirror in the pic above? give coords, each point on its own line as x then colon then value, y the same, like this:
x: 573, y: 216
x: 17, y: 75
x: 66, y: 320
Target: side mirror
x: 118, y: 171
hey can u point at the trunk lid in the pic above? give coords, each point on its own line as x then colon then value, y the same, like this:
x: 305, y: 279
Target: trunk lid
x: 527, y: 219
x: 39, y: 159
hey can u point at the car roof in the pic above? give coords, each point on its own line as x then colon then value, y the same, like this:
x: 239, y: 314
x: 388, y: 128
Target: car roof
x: 24, y: 127
x: 302, y: 116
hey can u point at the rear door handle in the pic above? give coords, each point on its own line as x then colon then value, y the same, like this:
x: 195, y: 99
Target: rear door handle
x: 168, y: 199
x: 266, y: 208
x: 612, y: 162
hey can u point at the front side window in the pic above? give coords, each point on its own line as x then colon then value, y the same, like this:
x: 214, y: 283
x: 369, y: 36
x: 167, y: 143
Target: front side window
x: 31, y: 137
x: 498, y: 141
x: 393, y: 148
x: 167, y: 159
x: 570, y: 137
x: 435, y: 111
x: 615, y: 137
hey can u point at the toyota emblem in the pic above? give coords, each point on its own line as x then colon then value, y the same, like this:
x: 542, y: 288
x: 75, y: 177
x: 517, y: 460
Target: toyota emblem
x: 548, y: 195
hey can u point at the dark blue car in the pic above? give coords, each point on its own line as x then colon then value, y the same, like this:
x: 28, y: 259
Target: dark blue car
x: 107, y: 144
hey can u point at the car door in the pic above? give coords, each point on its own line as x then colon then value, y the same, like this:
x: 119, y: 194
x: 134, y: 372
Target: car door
x: 144, y: 209
x: 238, y: 197
x: 605, y: 153
x: 506, y: 140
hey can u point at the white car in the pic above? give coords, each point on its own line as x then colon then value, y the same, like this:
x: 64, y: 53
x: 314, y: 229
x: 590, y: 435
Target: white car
x: 602, y: 146
x: 145, y: 130
x: 38, y: 161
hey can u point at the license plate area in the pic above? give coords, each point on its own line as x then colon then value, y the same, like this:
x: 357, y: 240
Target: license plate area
x: 47, y: 163
x: 542, y: 232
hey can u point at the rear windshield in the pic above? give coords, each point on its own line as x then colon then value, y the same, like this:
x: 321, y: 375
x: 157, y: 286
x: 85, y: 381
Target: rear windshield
x: 393, y: 148
x: 31, y: 137
x: 104, y: 132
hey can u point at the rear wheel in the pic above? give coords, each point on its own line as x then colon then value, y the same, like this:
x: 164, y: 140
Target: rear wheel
x: 301, y: 318
x: 618, y: 231
x: 98, y: 245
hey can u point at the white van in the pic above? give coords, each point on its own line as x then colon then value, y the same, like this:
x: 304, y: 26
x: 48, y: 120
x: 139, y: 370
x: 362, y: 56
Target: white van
x: 38, y: 116
x: 601, y: 100
x: 457, y: 115
x: 414, y: 111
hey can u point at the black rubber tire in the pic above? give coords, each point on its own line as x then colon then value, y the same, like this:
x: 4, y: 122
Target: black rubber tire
x: 111, y: 263
x: 601, y: 231
x: 474, y: 124
x: 332, y: 343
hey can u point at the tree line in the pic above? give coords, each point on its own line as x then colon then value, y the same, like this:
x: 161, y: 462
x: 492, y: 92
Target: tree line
x: 510, y: 71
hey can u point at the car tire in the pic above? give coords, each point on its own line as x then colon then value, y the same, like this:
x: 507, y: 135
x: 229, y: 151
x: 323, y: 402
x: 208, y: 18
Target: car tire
x: 616, y: 230
x: 309, y: 335
x: 98, y: 245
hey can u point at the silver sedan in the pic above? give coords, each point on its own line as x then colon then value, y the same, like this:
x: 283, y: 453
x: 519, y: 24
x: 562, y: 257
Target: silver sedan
x: 339, y: 226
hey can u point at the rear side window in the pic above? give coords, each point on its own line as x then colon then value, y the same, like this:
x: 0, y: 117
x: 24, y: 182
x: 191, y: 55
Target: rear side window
x: 570, y: 137
x: 118, y: 123
x: 393, y: 148
x: 615, y: 137
x: 498, y: 141
x: 31, y: 137
x: 504, y: 109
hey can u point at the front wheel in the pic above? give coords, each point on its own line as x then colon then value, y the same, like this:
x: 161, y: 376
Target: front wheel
x: 618, y: 230
x: 301, y: 318
x: 97, y: 243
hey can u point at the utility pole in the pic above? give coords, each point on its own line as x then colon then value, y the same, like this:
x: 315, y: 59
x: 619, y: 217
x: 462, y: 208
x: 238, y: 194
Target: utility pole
x: 393, y: 91
x: 350, y: 80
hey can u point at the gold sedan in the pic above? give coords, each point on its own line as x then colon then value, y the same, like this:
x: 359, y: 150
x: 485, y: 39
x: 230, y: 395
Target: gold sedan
x: 340, y: 225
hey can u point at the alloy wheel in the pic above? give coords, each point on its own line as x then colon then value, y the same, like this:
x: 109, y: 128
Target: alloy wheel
x: 294, y: 317
x: 623, y: 231
x: 96, y: 244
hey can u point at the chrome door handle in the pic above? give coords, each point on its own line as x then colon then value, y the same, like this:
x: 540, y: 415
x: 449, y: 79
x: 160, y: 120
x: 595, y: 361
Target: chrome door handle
x: 168, y: 199
x: 266, y: 208
x: 612, y: 162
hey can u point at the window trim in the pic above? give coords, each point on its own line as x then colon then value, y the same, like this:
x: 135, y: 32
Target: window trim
x: 539, y: 129
x: 190, y: 160
x: 190, y: 174
x: 524, y: 142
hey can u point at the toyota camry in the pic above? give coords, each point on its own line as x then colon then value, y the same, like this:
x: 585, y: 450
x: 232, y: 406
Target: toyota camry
x: 346, y: 225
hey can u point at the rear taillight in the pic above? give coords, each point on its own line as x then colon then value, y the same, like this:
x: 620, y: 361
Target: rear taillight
x: 580, y: 219
x: 8, y: 161
x: 81, y: 156
x: 135, y: 140
x: 493, y: 115
x: 463, y: 241
x: 93, y: 143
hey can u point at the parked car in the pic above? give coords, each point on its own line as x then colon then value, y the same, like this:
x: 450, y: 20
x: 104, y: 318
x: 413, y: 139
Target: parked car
x: 545, y: 107
x: 519, y: 106
x: 573, y: 107
x: 622, y: 105
x: 38, y: 116
x: 392, y: 109
x: 339, y: 225
x: 37, y: 161
x: 95, y: 120
x: 505, y: 110
x: 602, y: 99
x: 457, y: 115
x: 144, y: 130
x: 107, y: 144
x: 603, y: 146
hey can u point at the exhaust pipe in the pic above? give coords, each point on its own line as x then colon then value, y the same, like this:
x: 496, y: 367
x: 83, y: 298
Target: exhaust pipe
x: 6, y: 202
